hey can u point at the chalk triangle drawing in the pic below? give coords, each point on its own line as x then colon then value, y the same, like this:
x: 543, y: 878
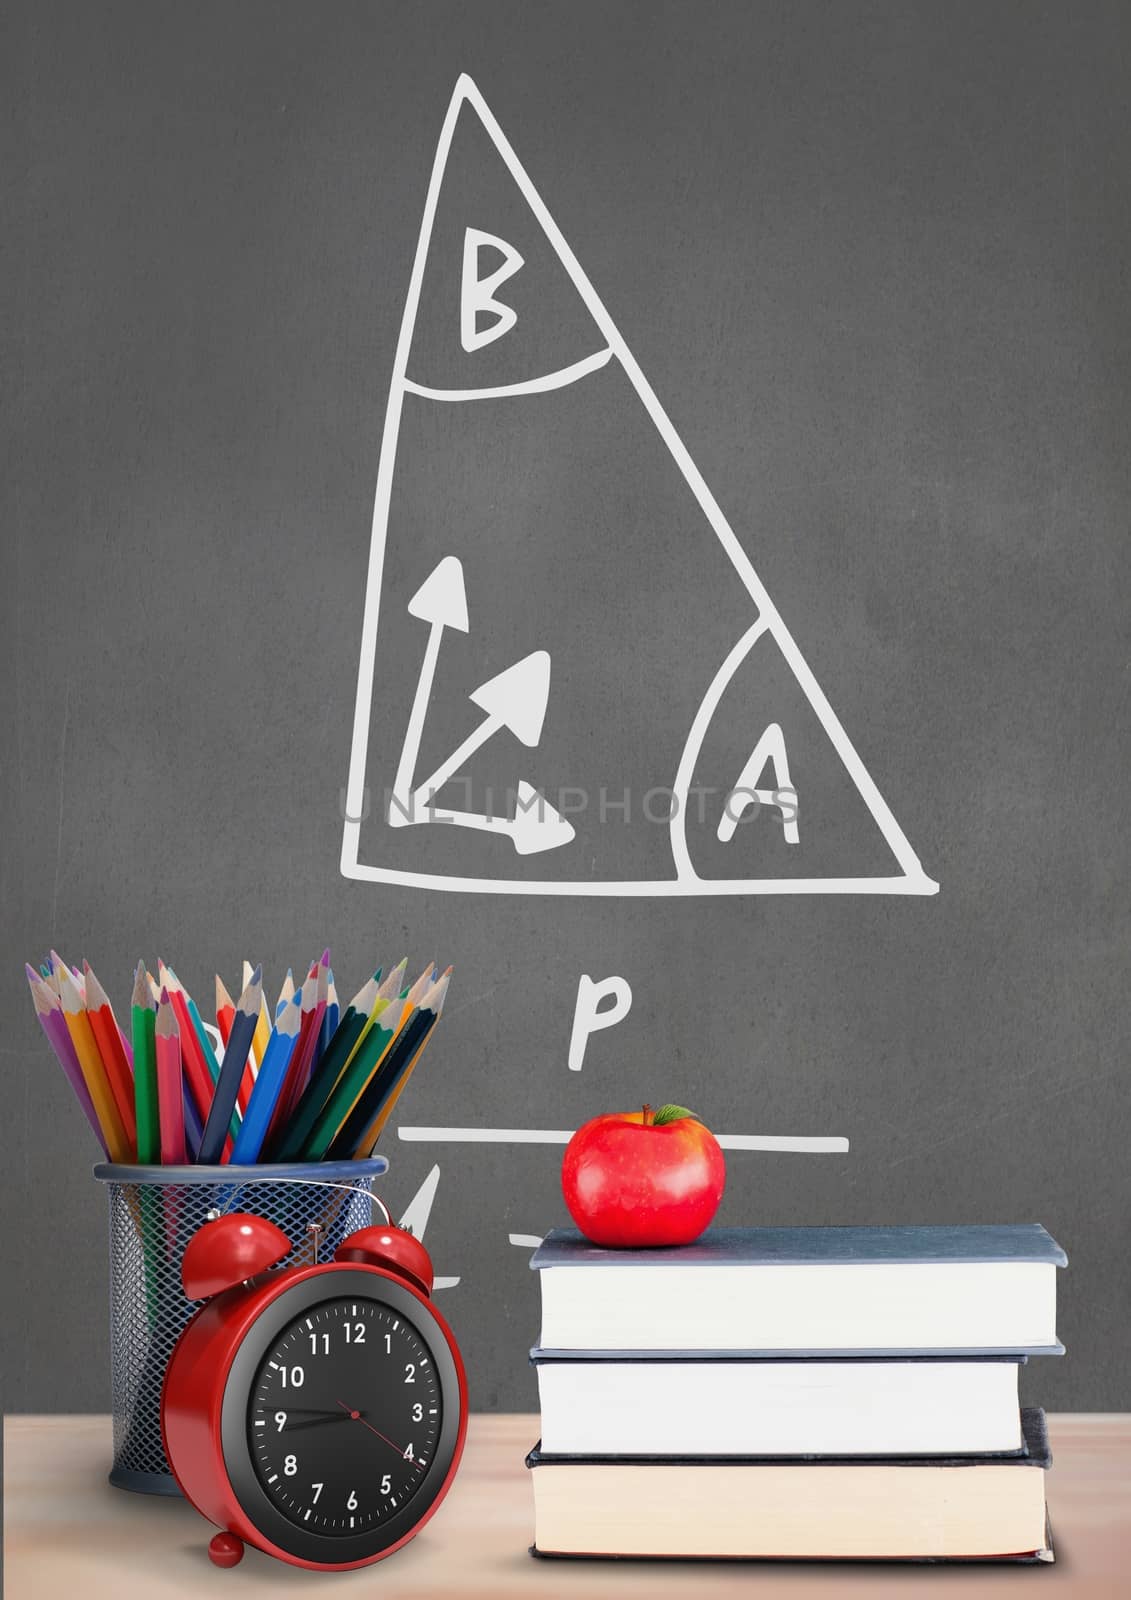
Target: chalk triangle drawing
x: 486, y: 386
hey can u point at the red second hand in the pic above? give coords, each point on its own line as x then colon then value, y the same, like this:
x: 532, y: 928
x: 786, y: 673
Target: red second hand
x: 356, y: 1416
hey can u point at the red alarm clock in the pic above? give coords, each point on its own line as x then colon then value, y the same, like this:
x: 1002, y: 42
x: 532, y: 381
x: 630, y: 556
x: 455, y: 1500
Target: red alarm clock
x: 316, y: 1412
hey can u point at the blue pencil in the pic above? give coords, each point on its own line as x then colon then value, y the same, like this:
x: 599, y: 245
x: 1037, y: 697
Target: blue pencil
x: 286, y: 994
x: 231, y: 1072
x: 271, y: 1078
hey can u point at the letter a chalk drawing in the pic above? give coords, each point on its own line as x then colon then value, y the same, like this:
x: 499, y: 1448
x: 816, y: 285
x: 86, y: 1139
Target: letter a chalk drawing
x: 557, y: 606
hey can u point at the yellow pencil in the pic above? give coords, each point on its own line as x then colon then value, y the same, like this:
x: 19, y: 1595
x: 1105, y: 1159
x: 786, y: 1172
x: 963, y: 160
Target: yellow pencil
x: 263, y: 1027
x: 432, y: 1001
x: 92, y: 1067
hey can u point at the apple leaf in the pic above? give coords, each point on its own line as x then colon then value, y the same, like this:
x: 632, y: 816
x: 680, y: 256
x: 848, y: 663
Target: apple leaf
x: 671, y: 1114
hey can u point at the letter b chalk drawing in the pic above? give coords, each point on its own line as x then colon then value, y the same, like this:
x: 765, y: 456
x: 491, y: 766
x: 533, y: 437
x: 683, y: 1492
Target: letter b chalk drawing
x: 543, y: 549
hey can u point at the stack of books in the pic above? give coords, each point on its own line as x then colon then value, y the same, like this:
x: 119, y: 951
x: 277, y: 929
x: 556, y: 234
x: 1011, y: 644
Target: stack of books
x: 829, y: 1393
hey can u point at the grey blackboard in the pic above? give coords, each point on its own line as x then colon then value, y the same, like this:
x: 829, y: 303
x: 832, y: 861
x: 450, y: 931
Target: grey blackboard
x: 872, y: 259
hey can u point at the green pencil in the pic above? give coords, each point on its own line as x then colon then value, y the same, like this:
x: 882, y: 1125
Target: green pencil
x: 361, y: 1067
x: 142, y: 1019
x: 352, y: 1028
x: 385, y: 1021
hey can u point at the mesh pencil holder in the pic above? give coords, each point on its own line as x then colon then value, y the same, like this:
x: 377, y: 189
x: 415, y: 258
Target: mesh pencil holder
x: 154, y: 1212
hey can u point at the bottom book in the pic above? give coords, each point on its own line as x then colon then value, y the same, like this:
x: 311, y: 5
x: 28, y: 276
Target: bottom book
x: 915, y: 1509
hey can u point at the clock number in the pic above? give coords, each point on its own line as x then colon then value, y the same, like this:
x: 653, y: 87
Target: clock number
x: 280, y: 1421
x: 351, y: 1503
x: 318, y: 1488
x: 418, y: 1412
x: 290, y: 1466
x: 409, y: 1372
x: 408, y: 1455
x: 296, y: 1379
x: 386, y: 1484
x: 388, y: 1344
x: 325, y: 1338
x: 355, y: 1333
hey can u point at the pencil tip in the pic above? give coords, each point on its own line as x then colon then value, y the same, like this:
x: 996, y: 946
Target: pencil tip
x: 257, y: 975
x: 326, y: 956
x: 33, y: 976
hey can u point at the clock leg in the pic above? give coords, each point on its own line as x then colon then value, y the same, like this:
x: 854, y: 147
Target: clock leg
x: 226, y: 1550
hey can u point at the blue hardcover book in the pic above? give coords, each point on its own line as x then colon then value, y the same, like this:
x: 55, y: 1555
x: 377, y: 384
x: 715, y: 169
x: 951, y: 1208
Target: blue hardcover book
x: 806, y: 1291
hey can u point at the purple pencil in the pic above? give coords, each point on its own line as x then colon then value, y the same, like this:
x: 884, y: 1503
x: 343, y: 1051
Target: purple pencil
x: 49, y: 1010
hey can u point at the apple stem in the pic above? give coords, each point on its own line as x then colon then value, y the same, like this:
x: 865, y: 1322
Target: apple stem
x: 647, y: 1116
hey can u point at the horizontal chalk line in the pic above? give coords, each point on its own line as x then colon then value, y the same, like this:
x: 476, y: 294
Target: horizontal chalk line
x: 795, y: 1144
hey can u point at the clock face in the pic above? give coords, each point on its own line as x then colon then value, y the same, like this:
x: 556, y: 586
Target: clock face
x: 345, y: 1412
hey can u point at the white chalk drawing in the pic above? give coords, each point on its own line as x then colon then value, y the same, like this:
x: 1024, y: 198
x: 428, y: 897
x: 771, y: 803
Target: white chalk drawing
x: 476, y: 293
x: 416, y: 1215
x: 441, y: 601
x: 478, y: 289
x: 769, y: 751
x: 783, y: 1144
x: 514, y: 699
x: 588, y: 1018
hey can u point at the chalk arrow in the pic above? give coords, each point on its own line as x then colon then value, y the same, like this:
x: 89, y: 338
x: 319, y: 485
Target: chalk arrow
x: 516, y: 699
x: 535, y: 826
x: 416, y: 1217
x: 440, y: 601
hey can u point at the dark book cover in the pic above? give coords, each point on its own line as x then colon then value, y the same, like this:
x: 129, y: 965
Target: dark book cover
x: 819, y: 1246
x: 1033, y: 1428
x: 540, y: 1355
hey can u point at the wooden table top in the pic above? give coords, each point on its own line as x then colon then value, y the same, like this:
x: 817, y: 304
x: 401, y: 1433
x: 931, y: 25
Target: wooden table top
x: 67, y: 1532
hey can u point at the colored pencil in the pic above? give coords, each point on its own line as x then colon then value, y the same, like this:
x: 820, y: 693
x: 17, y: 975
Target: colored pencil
x: 49, y: 1010
x: 433, y: 1002
x: 225, y: 1016
x: 393, y: 984
x: 268, y: 1084
x: 225, y: 1011
x: 389, y: 1015
x: 93, y: 1069
x: 330, y: 1020
x: 143, y: 1017
x: 202, y: 1034
x: 170, y: 1091
x: 201, y: 1067
x: 231, y: 1072
x: 262, y: 1033
x: 360, y: 1123
x: 286, y: 994
x: 355, y: 1023
x: 298, y: 1074
x: 198, y: 1079
x: 108, y: 1037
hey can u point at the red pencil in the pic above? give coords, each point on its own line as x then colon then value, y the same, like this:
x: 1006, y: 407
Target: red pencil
x: 314, y: 992
x: 225, y: 1010
x: 170, y: 1088
x: 200, y: 1083
x: 108, y: 1038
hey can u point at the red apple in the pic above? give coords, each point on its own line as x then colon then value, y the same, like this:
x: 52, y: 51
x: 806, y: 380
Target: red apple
x: 637, y: 1178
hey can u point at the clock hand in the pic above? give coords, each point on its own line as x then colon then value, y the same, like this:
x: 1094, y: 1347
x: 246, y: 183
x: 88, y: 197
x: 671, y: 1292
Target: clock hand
x: 317, y: 1421
x: 359, y: 1416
